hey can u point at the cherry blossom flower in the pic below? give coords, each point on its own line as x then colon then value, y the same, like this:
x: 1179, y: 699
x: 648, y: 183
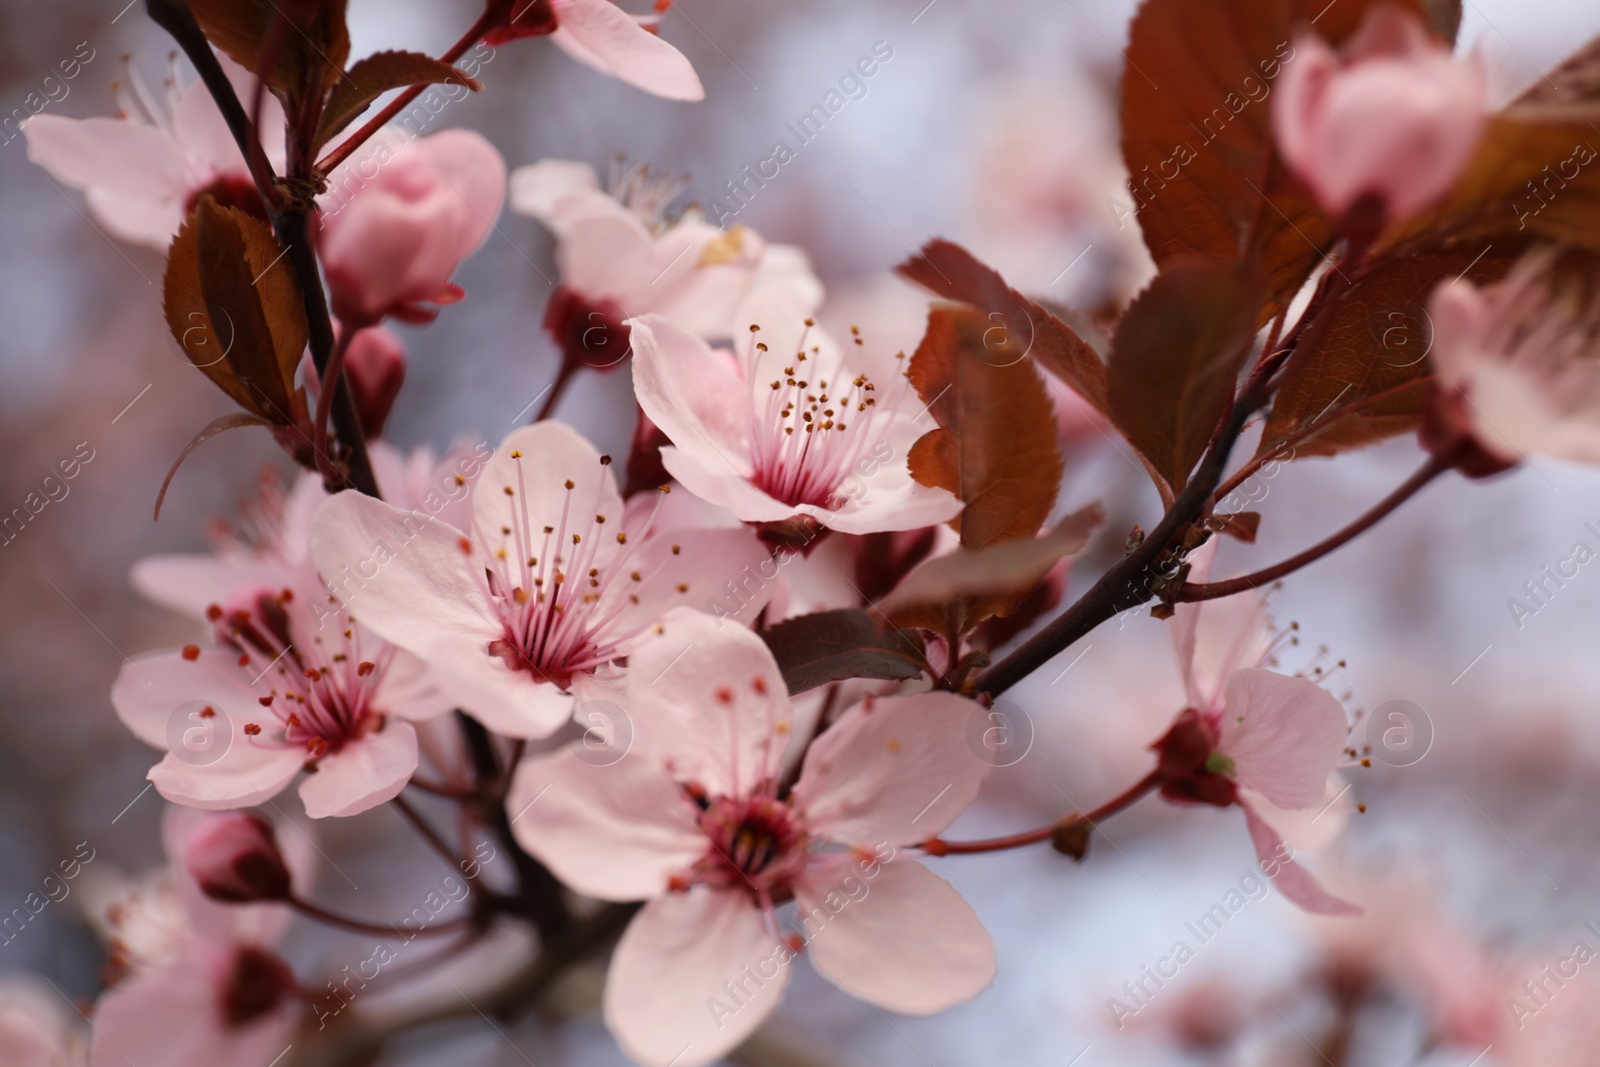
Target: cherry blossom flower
x: 213, y: 990
x: 1250, y: 737
x: 599, y: 34
x: 554, y: 581
x: 693, y: 820
x: 1395, y: 116
x: 1517, y: 364
x: 394, y: 231
x: 788, y: 424
x: 143, y: 170
x: 620, y: 257
x: 290, y: 682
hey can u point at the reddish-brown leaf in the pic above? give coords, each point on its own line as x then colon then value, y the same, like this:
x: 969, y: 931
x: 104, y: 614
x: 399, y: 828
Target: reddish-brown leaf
x: 995, y: 447
x: 955, y: 274
x: 1361, y: 373
x: 311, y: 52
x: 1175, y: 361
x: 1197, y: 140
x: 830, y: 646
x: 235, y: 308
x: 375, y: 75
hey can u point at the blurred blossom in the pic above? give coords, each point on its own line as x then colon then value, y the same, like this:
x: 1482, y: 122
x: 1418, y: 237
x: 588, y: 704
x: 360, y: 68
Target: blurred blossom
x: 1392, y: 115
x: 144, y: 169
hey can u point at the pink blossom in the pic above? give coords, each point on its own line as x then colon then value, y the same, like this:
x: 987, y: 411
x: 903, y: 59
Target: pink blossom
x: 233, y: 857
x: 144, y: 169
x: 1394, y: 116
x: 1517, y: 363
x: 553, y: 583
x: 788, y: 424
x: 375, y: 367
x: 693, y: 820
x: 620, y: 256
x: 215, y: 992
x: 393, y: 233
x: 599, y: 34
x: 1250, y: 735
x: 34, y: 1028
x: 290, y: 682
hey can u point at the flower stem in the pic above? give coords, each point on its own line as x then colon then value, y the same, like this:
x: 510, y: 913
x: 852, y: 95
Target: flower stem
x: 1409, y: 488
x: 428, y: 833
x: 938, y: 847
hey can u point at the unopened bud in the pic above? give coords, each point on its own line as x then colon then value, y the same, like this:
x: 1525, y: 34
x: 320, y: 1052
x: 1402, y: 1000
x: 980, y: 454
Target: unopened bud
x: 375, y: 367
x: 233, y: 857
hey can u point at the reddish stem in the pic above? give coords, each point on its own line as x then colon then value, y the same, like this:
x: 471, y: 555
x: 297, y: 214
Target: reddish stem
x: 328, y: 383
x: 938, y: 847
x: 338, y: 155
x: 428, y: 833
x: 1409, y: 488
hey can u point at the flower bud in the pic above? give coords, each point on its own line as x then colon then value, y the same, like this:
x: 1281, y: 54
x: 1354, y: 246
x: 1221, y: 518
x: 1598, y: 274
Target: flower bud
x: 234, y: 858
x: 375, y: 367
x: 1393, y: 119
x: 394, y: 230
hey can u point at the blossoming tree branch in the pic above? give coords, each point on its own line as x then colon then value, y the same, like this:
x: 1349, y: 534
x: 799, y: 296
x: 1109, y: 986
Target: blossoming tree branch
x: 709, y: 708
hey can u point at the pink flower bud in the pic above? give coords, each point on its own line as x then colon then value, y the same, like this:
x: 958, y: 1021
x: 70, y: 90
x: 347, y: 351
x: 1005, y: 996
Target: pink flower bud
x: 233, y: 858
x: 398, y: 222
x: 1394, y: 117
x: 375, y: 367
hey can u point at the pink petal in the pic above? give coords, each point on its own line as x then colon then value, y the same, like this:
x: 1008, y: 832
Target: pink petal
x: 509, y: 702
x: 613, y: 830
x: 26, y: 1040
x: 606, y: 252
x: 1214, y: 638
x: 203, y: 135
x: 893, y: 934
x: 135, y: 218
x: 553, y: 454
x: 171, y: 1015
x: 718, y: 482
x: 540, y: 189
x: 109, y: 153
x: 408, y: 690
x: 692, y: 568
x: 697, y: 395
x: 707, y: 703
x: 248, y: 773
x: 369, y: 771
x: 152, y: 688
x: 402, y: 574
x: 693, y: 976
x: 603, y: 36
x: 1283, y: 734
x: 895, y: 769
x: 1292, y: 880
x: 192, y: 583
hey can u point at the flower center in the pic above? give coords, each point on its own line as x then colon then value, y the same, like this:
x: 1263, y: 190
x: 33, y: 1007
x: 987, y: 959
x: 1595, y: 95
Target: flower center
x: 815, y: 427
x: 558, y: 588
x: 317, y: 693
x: 757, y: 843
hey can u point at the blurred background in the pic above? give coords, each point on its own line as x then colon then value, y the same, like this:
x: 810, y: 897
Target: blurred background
x: 993, y: 125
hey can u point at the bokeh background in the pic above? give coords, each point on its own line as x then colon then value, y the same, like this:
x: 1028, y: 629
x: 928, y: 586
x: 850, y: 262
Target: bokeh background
x: 992, y: 124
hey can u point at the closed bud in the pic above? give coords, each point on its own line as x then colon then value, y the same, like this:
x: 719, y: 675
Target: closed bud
x: 375, y: 367
x: 233, y: 857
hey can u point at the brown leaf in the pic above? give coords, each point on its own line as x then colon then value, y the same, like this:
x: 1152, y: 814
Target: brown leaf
x: 216, y: 426
x: 830, y: 646
x: 311, y: 52
x: 1361, y: 373
x: 1536, y: 174
x: 1174, y: 363
x: 995, y: 447
x: 967, y: 586
x: 375, y: 75
x: 235, y: 308
x: 1242, y: 525
x: 955, y: 274
x: 1197, y: 139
